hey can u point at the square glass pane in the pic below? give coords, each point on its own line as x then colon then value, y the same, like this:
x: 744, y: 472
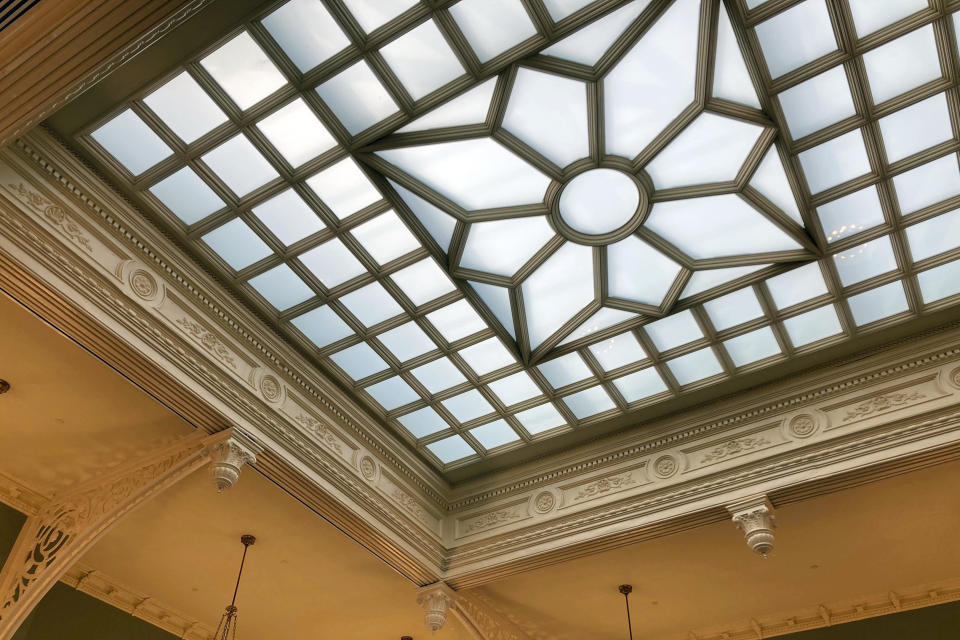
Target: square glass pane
x: 935, y: 235
x: 487, y: 356
x: 796, y: 286
x: 385, y: 237
x: 244, y: 71
x: 817, y: 103
x: 371, y: 14
x: 371, y: 304
x: 915, y: 128
x: 494, y: 434
x: 185, y: 107
x: 392, y: 393
x: 333, y: 263
x: 344, y: 188
x: 423, y: 422
x: 940, y: 282
x: 451, y: 449
x: 928, y: 184
x: 589, y: 402
x: 306, y: 32
x: 241, y: 167
x: 902, y: 64
x: 468, y: 406
x: 128, y: 139
x: 752, y: 347
x: 438, y: 375
x: 187, y: 196
x: 673, y: 331
x: 515, y: 388
x: 297, y: 133
x: 853, y: 213
x: 281, y: 287
x: 695, y: 366
x: 423, y: 281
x: 565, y: 370
x: 641, y: 384
x: 288, y: 217
x: 873, y: 15
x: 359, y: 361
x: 783, y: 50
x: 878, y: 303
x: 422, y: 60
x: 812, y: 326
x: 457, y: 320
x: 492, y: 26
x: 835, y: 161
x: 540, y: 418
x: 406, y: 341
x: 618, y: 351
x: 357, y: 98
x: 237, y: 244
x: 322, y: 326
x: 865, y: 261
x: 733, y: 309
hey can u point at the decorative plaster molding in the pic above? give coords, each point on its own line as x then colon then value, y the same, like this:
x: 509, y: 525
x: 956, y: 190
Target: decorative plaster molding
x: 436, y: 600
x: 735, y: 447
x: 755, y: 518
x: 24, y: 499
x: 883, y: 402
x: 228, y: 458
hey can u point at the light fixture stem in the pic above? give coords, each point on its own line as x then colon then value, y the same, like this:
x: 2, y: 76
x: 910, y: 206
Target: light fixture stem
x: 247, y: 541
x: 625, y: 589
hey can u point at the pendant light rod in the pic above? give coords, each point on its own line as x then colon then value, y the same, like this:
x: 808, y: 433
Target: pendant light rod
x: 247, y: 540
x: 625, y: 589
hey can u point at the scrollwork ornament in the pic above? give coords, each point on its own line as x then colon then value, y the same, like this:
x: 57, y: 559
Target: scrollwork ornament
x: 143, y: 284
x: 665, y: 466
x: 368, y: 467
x: 544, y: 502
x: 803, y: 425
x: 270, y: 388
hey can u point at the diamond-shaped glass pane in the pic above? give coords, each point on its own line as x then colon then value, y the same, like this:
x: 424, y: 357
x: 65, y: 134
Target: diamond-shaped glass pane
x: 281, y: 287
x: 385, y: 237
x: 641, y: 384
x: 451, y: 449
x: 438, y: 375
x: 241, y: 167
x: 332, y: 262
x: 407, y: 341
x: 392, y: 393
x: 357, y: 98
x: 322, y: 326
x: 359, y: 361
x: 515, y: 388
x: 187, y: 196
x: 487, y: 356
x: 934, y: 236
x: 371, y: 304
x: 865, y: 261
x: 457, y: 320
x: 289, y: 217
x: 344, y: 188
x: 783, y: 50
x: 468, y: 406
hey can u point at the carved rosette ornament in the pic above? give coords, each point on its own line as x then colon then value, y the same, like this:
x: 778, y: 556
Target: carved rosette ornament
x: 665, y: 466
x: 228, y: 458
x: 544, y: 502
x: 955, y: 377
x: 437, y: 599
x: 270, y: 388
x: 143, y: 284
x: 368, y: 467
x: 803, y: 425
x: 755, y: 518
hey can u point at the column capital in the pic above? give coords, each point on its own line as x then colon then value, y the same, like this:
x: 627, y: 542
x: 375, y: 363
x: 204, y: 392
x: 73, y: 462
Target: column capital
x: 754, y: 516
x: 229, y: 455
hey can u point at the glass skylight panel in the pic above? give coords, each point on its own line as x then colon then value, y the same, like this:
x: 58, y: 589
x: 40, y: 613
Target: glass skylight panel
x: 565, y: 370
x: 589, y: 402
x: 641, y: 384
x: 540, y: 418
x: 468, y: 406
x: 457, y: 320
x: 237, y: 244
x: 187, y: 196
x: 407, y: 341
x: 185, y: 107
x: 710, y: 149
x: 332, y: 262
x: 306, y: 32
x: 128, y: 139
x: 851, y: 214
x: 707, y: 279
x: 599, y: 201
x: 733, y: 309
x: 562, y: 286
x: 438, y: 223
x: 618, y: 351
x: 604, y: 318
x: 797, y: 285
x: 935, y: 235
x: 422, y: 60
x: 770, y: 179
x: 487, y: 356
x: 241, y: 167
x: 879, y: 303
x: 423, y: 281
x: 501, y: 247
x: 476, y: 174
x: 344, y: 188
x: 497, y: 300
x: 515, y: 388
x: 322, y: 326
x: 560, y: 9
x: 373, y: 14
x: 717, y: 226
x: 549, y: 113
x: 371, y: 304
x: 915, y: 128
x: 928, y: 184
x: 244, y: 71
x: 731, y: 80
x: 392, y: 393
x: 674, y: 330
x: 695, y: 366
x: 783, y: 50
x: 871, y: 15
x: 817, y: 103
x: 423, y: 422
x: 357, y: 98
x: 587, y: 45
x: 653, y: 82
x: 494, y: 434
x: 359, y: 361
x: 385, y: 237
x: 835, y: 161
x: 752, y: 347
x: 940, y: 282
x: 297, y: 133
x: 470, y: 107
x: 281, y: 287
x: 288, y: 217
x: 438, y: 375
x: 492, y: 26
x: 812, y: 326
x: 451, y: 449
x: 902, y: 64
x: 865, y: 261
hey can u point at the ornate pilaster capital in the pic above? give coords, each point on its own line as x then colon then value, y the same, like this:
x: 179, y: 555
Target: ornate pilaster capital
x: 437, y: 599
x: 228, y: 457
x: 755, y: 517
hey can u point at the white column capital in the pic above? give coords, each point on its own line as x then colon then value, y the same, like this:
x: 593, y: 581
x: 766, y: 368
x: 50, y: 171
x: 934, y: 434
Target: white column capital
x: 754, y: 516
x: 437, y: 599
x: 228, y: 456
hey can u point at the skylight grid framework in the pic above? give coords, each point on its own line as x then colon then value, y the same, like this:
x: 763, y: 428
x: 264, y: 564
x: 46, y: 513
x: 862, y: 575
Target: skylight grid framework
x: 605, y: 392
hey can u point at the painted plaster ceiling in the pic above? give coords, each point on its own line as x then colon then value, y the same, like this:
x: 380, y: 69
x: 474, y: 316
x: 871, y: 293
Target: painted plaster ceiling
x: 496, y: 221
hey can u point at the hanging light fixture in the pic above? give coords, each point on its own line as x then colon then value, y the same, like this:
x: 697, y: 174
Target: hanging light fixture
x: 227, y: 629
x: 625, y: 589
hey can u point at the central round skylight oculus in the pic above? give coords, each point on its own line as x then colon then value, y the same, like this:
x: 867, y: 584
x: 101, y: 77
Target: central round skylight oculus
x: 600, y: 205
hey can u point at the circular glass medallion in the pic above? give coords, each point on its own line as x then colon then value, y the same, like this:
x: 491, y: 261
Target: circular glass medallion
x: 599, y: 202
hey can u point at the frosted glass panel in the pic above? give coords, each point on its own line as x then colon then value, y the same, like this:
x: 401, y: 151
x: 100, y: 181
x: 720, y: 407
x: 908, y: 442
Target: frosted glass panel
x: 564, y: 370
x: 733, y: 309
x: 289, y: 217
x: 817, y: 103
x: 438, y: 223
x: 422, y: 60
x: 560, y: 9
x: 423, y: 422
x: 752, y: 347
x: 813, y: 326
x: 306, y: 32
x: 185, y: 107
x: 835, y: 161
x: 770, y: 179
x: 928, y: 184
x: 237, y: 244
x: 492, y: 26
x: 186, y: 195
x: 916, y: 127
x: 701, y: 281
x: 618, y: 351
x: 407, y: 341
x: 244, y: 71
x: 128, y: 139
x: 344, y: 188
x: 468, y: 406
x: 589, y: 402
x: 371, y: 304
x: 796, y: 286
x: 631, y: 256
x: 640, y: 385
x: 241, y: 167
x: 457, y: 320
x: 940, y: 282
x: 470, y: 107
x: 602, y: 319
x: 392, y: 393
x: 515, y: 388
x: 783, y: 50
x: 333, y: 263
x: 423, y: 281
x: 451, y: 449
x: 297, y: 133
x: 674, y: 330
x: 439, y: 375
x: 281, y: 287
x: 359, y: 361
x: 322, y: 326
x: 558, y: 289
x: 587, y: 45
x: 494, y: 434
x: 878, y: 303
x: 372, y: 14
x: 540, y: 418
x: 501, y: 247
x: 497, y: 300
x: 898, y: 66
x: 385, y: 237
x: 873, y: 15
x: 865, y: 261
x: 851, y: 214
x: 487, y: 356
x: 934, y: 236
x: 731, y: 80
x: 357, y: 98
x: 695, y: 366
